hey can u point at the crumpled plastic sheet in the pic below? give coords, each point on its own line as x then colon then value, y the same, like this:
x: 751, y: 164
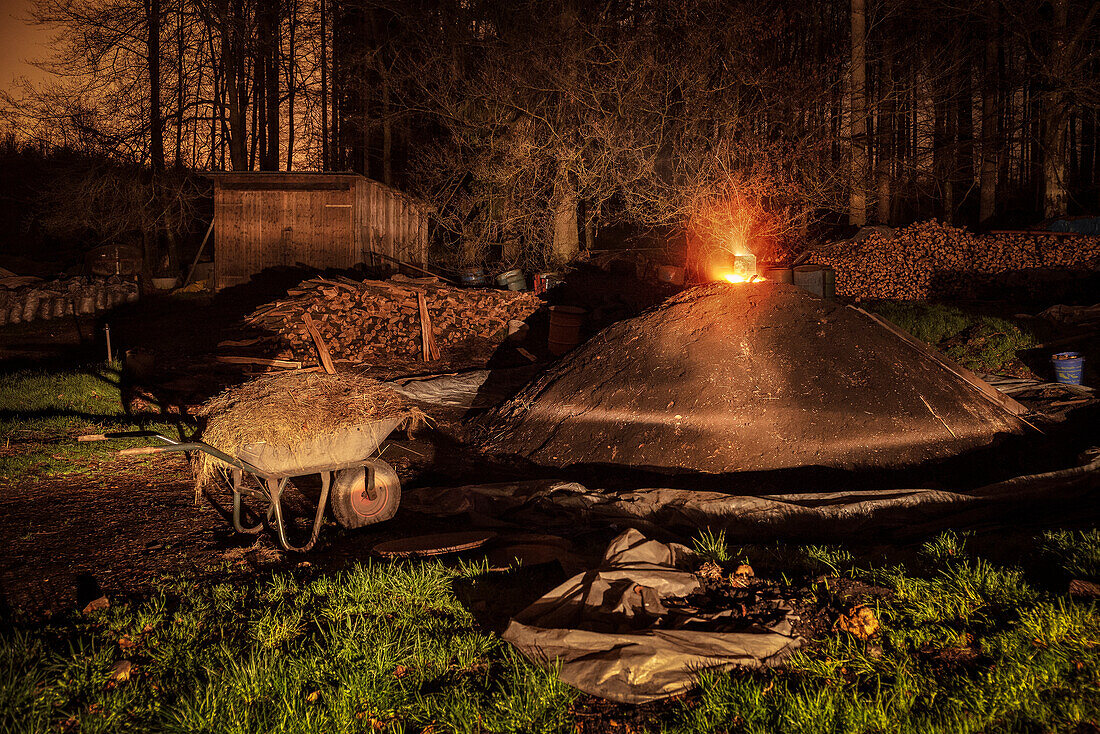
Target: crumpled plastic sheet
x: 608, y: 632
x: 1063, y: 314
x: 807, y: 516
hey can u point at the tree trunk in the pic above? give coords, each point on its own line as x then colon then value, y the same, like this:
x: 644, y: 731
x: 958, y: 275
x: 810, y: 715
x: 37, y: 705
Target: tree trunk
x: 336, y: 148
x: 179, y: 86
x: 887, y: 110
x: 964, y: 114
x: 950, y: 154
x: 942, y: 138
x: 290, y: 82
x: 324, y: 91
x: 1055, y: 120
x: 236, y: 84
x: 991, y: 133
x: 271, y: 77
x: 857, y: 206
x: 259, y: 143
x: 387, y: 131
x: 566, y: 242
x: 156, y: 121
x: 589, y: 227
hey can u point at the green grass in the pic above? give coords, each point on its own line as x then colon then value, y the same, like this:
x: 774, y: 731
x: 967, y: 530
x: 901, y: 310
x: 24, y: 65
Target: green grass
x: 391, y: 647
x: 42, y: 412
x: 1075, y: 553
x: 378, y: 648
x: 976, y: 341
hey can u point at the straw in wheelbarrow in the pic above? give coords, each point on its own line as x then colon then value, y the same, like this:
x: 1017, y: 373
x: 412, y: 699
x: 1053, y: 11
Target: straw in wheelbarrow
x: 286, y: 408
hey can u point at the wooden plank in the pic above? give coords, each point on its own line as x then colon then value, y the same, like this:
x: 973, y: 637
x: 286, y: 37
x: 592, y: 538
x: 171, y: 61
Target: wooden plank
x: 287, y: 363
x: 241, y: 342
x: 993, y: 394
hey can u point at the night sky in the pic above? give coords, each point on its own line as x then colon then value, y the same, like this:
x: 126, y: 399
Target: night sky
x: 19, y: 42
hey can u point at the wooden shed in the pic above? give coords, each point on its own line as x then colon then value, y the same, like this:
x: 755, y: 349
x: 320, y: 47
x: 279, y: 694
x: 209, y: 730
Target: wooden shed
x: 320, y: 220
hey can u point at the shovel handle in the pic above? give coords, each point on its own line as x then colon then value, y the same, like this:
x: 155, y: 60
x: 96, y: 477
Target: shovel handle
x: 92, y: 437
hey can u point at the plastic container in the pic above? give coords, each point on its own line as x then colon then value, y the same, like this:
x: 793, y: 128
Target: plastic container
x: 828, y: 282
x: 565, y: 328
x: 810, y: 278
x: 473, y: 278
x: 779, y: 274
x: 1069, y: 367
x: 546, y: 281
x: 513, y: 280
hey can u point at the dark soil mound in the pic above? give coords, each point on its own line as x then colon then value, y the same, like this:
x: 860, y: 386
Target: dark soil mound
x: 731, y: 378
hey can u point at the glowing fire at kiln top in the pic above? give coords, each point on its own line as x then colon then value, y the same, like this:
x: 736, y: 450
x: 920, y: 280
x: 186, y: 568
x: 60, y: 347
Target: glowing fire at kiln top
x: 743, y: 269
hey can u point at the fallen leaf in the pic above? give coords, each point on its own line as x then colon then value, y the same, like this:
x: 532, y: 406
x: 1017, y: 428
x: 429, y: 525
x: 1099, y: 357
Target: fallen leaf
x: 125, y: 642
x: 400, y: 671
x: 313, y: 696
x: 120, y: 671
x: 861, y: 622
x: 97, y: 605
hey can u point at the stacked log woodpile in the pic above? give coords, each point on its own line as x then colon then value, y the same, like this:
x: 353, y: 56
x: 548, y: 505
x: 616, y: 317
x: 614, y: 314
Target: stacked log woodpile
x: 930, y: 259
x: 362, y: 321
x: 30, y: 299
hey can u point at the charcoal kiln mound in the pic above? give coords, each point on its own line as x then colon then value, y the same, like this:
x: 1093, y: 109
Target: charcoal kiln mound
x: 743, y: 378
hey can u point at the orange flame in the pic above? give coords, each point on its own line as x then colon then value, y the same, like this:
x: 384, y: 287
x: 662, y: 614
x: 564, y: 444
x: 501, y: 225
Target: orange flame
x: 738, y: 278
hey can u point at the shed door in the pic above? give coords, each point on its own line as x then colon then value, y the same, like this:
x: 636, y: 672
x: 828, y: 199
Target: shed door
x: 273, y: 228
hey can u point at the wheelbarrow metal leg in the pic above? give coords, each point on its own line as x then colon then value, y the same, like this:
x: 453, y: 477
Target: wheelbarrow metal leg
x: 275, y: 488
x: 238, y: 479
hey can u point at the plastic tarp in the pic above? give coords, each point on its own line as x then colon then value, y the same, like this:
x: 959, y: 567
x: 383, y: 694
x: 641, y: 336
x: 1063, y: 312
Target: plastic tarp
x: 609, y: 633
x: 1079, y: 225
x: 808, y: 516
x: 472, y: 389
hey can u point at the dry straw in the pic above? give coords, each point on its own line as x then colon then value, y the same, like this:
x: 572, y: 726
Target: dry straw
x: 287, y: 408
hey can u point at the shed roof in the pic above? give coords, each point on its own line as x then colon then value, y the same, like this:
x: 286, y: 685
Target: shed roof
x: 276, y: 180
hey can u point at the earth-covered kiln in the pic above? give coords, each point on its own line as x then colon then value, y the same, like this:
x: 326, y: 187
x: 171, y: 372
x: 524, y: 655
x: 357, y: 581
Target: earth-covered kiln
x: 761, y: 376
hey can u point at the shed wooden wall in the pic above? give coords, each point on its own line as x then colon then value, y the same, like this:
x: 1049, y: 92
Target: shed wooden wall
x: 318, y: 220
x: 392, y: 224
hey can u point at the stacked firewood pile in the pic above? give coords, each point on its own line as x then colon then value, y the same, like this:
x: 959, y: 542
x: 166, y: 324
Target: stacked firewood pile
x: 930, y: 259
x: 27, y: 299
x: 358, y: 321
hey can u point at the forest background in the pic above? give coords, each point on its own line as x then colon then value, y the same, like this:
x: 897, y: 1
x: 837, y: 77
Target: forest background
x: 534, y: 125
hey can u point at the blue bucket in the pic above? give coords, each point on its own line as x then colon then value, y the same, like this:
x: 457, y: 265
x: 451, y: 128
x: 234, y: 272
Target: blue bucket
x: 1068, y: 367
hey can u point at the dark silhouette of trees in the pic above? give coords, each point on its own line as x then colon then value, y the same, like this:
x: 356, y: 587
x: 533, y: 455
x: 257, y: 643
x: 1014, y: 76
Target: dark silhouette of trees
x: 530, y: 125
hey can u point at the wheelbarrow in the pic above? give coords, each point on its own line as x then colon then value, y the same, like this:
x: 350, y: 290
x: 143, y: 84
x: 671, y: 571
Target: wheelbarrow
x: 362, y: 489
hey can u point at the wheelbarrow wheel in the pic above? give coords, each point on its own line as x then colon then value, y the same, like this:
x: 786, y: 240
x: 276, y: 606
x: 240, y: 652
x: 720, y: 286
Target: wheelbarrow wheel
x: 365, y: 495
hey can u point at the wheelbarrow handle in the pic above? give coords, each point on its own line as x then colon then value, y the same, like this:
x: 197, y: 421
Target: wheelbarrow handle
x: 142, y: 450
x: 124, y: 434
x: 194, y: 446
